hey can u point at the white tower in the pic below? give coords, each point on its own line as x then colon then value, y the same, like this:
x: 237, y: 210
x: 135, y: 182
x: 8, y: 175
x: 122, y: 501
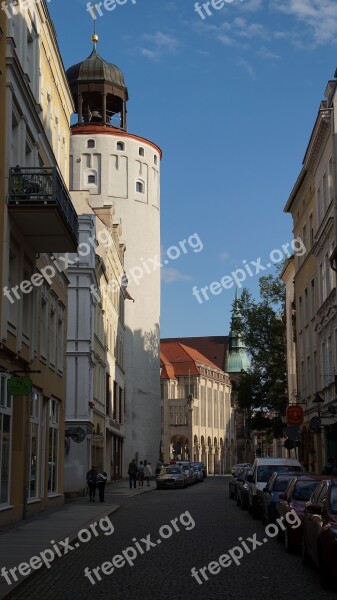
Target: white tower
x: 121, y: 168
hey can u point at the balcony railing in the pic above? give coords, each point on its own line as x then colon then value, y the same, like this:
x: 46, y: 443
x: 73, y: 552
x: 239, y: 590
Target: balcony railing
x: 42, y: 190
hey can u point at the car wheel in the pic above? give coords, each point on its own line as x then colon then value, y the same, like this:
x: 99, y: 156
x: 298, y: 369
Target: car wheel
x: 230, y: 492
x: 305, y: 556
x: 255, y: 510
x: 238, y: 501
x: 264, y: 519
x: 289, y: 547
x: 325, y: 575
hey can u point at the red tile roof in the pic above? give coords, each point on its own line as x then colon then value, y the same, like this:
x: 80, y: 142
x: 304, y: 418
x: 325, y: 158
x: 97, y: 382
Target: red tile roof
x: 181, y: 359
x: 212, y: 347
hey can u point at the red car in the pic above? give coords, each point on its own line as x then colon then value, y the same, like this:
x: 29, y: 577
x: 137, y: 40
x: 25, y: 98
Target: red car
x: 298, y: 491
x: 320, y: 531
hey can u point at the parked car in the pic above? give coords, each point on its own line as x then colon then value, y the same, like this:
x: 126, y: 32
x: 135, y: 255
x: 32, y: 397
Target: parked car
x: 239, y: 465
x: 263, y: 468
x: 199, y: 472
x: 242, y: 487
x: 234, y: 480
x: 271, y: 494
x: 194, y: 474
x: 319, y: 525
x: 186, y: 466
x: 299, y: 490
x: 171, y: 476
x: 198, y: 463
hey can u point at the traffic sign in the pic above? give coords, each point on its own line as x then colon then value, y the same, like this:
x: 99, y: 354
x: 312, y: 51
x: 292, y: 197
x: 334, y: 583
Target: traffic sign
x: 315, y: 423
x: 294, y: 414
x: 289, y: 444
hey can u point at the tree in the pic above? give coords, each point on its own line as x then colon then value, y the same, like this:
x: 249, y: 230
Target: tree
x: 262, y: 391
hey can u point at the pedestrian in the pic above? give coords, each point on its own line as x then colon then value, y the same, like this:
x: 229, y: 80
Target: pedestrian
x: 148, y: 473
x: 100, y: 483
x: 91, y: 480
x: 132, y: 472
x: 141, y: 473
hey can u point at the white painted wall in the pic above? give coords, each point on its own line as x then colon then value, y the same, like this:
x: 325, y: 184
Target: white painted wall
x: 117, y: 172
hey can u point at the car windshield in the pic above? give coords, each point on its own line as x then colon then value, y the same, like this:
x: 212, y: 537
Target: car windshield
x: 171, y: 471
x: 281, y: 483
x: 304, y: 489
x: 264, y: 472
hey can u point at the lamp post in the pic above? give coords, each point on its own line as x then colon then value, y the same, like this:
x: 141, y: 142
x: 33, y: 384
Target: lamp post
x: 319, y: 401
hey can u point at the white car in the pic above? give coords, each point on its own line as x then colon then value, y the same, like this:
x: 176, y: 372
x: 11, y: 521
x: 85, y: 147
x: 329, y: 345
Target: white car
x: 263, y: 468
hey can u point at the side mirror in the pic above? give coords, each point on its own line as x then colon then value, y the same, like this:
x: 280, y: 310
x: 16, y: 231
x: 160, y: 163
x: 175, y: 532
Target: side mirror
x: 282, y: 496
x: 265, y: 489
x: 313, y: 509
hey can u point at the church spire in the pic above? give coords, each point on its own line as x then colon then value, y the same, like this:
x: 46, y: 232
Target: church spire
x: 238, y: 358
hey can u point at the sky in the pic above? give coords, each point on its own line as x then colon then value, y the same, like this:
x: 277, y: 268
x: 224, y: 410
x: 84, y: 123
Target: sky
x: 231, y: 99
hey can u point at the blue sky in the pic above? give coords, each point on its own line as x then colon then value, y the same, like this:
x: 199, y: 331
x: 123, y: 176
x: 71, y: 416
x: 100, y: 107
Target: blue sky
x: 231, y: 100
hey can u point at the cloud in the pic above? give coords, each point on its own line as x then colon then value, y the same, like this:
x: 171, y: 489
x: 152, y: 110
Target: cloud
x: 224, y: 255
x: 247, y: 66
x: 169, y: 275
x: 319, y: 15
x: 264, y: 52
x: 162, y: 41
x: 150, y: 54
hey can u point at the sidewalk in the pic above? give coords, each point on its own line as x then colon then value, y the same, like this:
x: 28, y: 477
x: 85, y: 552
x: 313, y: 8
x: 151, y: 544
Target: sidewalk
x: 25, y: 539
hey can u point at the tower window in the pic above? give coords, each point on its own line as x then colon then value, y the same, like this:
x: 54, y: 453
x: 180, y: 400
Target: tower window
x: 155, y: 158
x: 141, y: 151
x: 140, y: 187
x: 120, y: 146
x: 91, y: 179
x: 91, y: 144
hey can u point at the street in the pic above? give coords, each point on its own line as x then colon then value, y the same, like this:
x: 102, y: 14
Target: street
x: 163, y: 557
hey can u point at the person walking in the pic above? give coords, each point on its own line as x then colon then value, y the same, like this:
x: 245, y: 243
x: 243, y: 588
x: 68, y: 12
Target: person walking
x: 100, y: 483
x: 132, y: 472
x: 141, y: 474
x: 148, y: 473
x: 91, y: 481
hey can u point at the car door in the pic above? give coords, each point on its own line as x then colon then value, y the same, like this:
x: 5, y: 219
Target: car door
x: 314, y: 522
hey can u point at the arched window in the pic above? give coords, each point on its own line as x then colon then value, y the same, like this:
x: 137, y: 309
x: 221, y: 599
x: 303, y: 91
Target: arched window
x: 120, y: 146
x: 91, y: 179
x: 91, y: 144
x: 155, y: 158
x: 141, y: 151
x: 140, y: 187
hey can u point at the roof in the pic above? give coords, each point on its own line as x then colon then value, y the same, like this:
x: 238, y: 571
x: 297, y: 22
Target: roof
x: 178, y: 360
x: 214, y: 348
x: 96, y: 69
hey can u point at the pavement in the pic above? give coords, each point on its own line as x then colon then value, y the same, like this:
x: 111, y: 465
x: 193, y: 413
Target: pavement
x: 26, y: 539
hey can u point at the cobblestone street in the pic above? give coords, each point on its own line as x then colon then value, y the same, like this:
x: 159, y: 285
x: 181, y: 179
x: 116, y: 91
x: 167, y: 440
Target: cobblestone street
x: 163, y: 571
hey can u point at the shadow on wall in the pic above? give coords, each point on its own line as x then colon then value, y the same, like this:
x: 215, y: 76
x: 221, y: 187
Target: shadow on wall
x: 142, y: 401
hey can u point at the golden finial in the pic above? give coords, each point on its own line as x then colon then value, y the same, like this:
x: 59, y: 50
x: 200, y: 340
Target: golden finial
x: 95, y: 37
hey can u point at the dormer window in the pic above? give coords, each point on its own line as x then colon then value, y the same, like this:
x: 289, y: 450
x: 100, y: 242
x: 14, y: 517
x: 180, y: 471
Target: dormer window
x: 120, y: 146
x: 91, y: 144
x: 91, y: 179
x: 141, y: 151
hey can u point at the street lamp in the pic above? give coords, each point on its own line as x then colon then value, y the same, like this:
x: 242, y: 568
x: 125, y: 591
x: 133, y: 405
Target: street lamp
x: 318, y: 400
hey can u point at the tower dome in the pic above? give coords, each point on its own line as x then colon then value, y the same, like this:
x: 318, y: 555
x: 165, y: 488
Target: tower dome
x: 99, y: 91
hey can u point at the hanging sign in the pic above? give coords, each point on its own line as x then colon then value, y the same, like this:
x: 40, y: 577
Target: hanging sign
x: 295, y: 415
x: 19, y: 386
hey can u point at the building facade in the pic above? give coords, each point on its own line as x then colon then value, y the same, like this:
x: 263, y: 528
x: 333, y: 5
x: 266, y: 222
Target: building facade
x: 121, y: 169
x: 197, y: 416
x: 311, y: 205
x: 96, y: 332
x: 37, y: 223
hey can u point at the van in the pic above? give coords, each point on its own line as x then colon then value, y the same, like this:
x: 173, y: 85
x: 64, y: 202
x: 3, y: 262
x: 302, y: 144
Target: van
x: 263, y: 468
